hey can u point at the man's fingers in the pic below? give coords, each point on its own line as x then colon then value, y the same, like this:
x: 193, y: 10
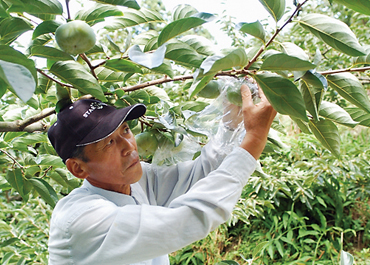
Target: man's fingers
x: 262, y: 94
x: 246, y: 95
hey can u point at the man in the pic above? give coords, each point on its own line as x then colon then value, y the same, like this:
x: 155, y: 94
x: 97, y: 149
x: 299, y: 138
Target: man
x: 127, y: 212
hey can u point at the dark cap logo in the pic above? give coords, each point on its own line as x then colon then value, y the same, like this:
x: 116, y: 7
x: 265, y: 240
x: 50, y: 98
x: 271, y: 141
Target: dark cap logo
x: 93, y: 106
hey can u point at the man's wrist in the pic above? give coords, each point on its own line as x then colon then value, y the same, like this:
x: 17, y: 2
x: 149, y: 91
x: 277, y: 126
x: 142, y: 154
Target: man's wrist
x: 254, y: 144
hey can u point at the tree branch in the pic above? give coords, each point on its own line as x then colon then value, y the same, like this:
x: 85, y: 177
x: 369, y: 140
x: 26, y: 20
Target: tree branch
x: 180, y: 78
x: 360, y: 69
x: 30, y: 124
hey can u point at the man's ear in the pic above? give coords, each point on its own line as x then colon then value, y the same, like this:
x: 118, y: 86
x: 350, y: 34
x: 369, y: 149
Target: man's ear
x: 77, y: 167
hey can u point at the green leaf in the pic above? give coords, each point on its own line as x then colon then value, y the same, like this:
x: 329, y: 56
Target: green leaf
x: 227, y: 262
x: 128, y: 3
x: 283, y: 95
x: 122, y: 65
x: 183, y: 54
x: 76, y: 75
x: 359, y: 115
x: 333, y: 32
x: 97, y: 13
x: 16, y: 180
x: 183, y: 11
x: 296, y: 51
x: 22, y: 142
x: 107, y: 75
x: 336, y: 114
x: 165, y: 68
x: 37, y: 7
x: 45, y: 190
x: 49, y: 52
x: 361, y: 6
x: 19, y: 78
x: 11, y: 55
x: 255, y: 29
x: 7, y: 257
x: 44, y: 84
x: 4, y: 226
x: 45, y: 27
x: 282, y: 61
x: 276, y: 8
x: 3, y: 12
x: 350, y: 88
x: 198, y: 85
x: 49, y: 160
x: 11, y: 28
x: 259, y: 248
x: 149, y: 60
x: 182, y: 25
x: 133, y: 18
x: 316, y: 80
x: 199, y: 43
x: 363, y: 59
x: 328, y: 134
x: 236, y: 58
x: 279, y: 247
x: 312, y: 98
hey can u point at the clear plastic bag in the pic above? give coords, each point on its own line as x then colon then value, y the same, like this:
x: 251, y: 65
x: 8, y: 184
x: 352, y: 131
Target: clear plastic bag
x: 220, y: 121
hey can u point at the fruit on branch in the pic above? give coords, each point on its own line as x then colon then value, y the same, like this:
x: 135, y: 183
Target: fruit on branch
x: 75, y: 37
x: 234, y: 96
x: 211, y: 90
x: 147, y: 143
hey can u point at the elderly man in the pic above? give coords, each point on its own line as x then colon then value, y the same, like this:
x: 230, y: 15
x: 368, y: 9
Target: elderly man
x: 129, y: 212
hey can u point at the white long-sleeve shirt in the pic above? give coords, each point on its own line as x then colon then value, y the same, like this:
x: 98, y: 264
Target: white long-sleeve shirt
x: 169, y: 208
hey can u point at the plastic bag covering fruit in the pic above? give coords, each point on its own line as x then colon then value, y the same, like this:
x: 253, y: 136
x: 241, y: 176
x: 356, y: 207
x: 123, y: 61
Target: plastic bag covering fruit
x: 168, y: 154
x: 220, y: 122
x: 147, y: 143
x: 211, y: 90
x: 75, y: 37
x: 233, y: 93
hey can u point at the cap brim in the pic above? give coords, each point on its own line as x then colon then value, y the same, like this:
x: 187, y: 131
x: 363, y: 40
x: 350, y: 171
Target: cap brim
x: 109, y: 124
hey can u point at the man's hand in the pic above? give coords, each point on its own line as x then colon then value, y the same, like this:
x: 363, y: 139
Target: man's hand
x: 257, y: 121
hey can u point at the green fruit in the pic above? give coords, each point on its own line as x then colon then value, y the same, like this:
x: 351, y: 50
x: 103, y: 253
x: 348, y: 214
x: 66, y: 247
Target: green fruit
x: 211, y: 90
x: 234, y: 95
x: 75, y: 37
x: 147, y: 143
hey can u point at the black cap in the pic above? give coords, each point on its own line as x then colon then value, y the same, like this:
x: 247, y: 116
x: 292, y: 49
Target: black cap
x: 88, y: 121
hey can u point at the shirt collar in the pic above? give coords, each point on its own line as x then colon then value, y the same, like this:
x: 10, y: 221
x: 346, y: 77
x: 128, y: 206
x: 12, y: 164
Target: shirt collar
x: 119, y: 199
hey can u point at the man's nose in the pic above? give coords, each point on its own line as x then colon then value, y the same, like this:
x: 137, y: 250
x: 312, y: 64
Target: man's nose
x: 127, y: 145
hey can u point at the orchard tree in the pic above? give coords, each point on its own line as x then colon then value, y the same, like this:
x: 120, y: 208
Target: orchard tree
x: 122, y: 53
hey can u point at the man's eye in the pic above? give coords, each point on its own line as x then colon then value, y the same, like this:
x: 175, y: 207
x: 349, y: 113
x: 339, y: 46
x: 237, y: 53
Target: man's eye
x: 110, y: 142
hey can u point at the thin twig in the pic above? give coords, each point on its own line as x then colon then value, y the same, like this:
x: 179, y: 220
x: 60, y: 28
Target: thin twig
x: 254, y: 59
x: 181, y: 78
x: 46, y: 171
x: 53, y: 79
x: 360, y: 69
x: 84, y: 57
x: 68, y: 12
x: 12, y: 158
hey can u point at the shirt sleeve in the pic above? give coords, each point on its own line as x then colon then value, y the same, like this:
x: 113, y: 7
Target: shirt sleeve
x: 162, y: 184
x: 108, y: 234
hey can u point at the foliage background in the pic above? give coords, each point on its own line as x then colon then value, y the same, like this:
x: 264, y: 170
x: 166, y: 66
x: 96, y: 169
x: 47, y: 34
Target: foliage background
x: 309, y: 201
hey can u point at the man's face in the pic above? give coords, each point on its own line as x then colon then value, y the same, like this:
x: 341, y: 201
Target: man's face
x: 113, y: 163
